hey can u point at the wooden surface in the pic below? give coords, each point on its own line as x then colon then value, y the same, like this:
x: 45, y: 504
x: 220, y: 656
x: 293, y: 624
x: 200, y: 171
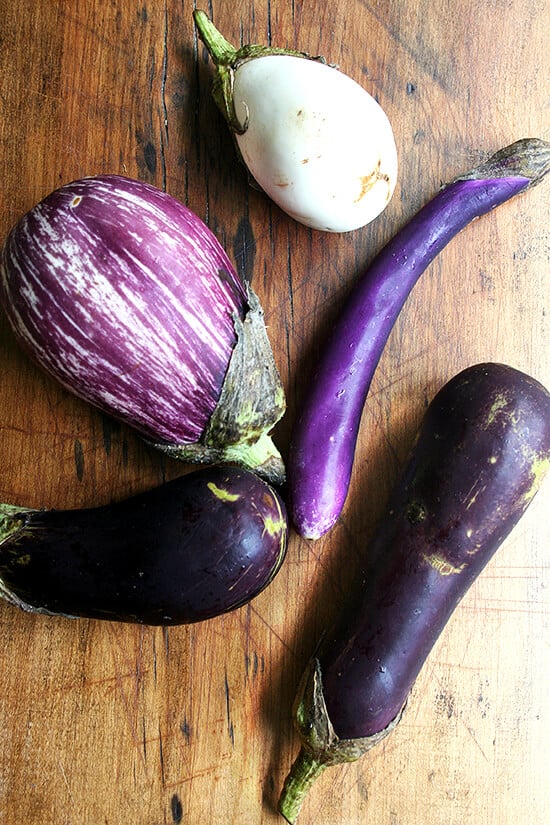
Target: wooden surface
x: 104, y: 724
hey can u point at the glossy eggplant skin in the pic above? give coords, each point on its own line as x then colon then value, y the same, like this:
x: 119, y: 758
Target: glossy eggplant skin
x: 327, y: 425
x: 481, y: 453
x: 479, y: 456
x: 193, y: 548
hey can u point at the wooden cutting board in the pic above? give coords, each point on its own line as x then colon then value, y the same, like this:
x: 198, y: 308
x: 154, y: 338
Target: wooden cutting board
x: 106, y: 724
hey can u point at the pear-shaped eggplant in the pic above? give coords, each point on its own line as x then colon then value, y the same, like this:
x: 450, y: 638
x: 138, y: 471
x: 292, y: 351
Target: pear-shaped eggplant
x: 125, y: 296
x: 196, y: 547
x: 309, y: 135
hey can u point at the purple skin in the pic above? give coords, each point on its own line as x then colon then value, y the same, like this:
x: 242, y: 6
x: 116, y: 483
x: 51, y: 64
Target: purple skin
x: 479, y: 458
x: 127, y: 298
x: 325, y: 433
x: 194, y: 548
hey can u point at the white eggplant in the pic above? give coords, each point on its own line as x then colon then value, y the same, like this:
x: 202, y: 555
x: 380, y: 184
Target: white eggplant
x: 316, y: 142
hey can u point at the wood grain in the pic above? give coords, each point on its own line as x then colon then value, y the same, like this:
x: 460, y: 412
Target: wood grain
x: 102, y: 724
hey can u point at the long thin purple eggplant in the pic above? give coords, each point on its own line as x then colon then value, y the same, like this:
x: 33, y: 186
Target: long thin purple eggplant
x: 127, y: 298
x: 189, y: 550
x: 325, y: 433
x: 480, y: 456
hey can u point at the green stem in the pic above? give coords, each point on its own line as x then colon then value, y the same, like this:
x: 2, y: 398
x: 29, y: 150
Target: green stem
x: 221, y: 51
x: 305, y: 770
x: 227, y: 59
x: 260, y: 456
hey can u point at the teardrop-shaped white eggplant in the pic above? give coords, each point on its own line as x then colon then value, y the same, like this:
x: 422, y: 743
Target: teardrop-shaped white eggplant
x: 312, y: 138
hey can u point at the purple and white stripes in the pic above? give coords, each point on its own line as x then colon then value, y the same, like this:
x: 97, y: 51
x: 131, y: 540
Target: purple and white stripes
x: 127, y: 298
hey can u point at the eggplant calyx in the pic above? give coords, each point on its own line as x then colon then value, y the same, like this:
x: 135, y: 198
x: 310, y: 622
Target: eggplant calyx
x: 251, y: 402
x: 321, y: 746
x: 12, y: 519
x: 528, y: 158
x: 227, y: 60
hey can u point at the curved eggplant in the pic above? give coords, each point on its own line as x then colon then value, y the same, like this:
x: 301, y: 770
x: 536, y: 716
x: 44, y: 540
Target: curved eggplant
x: 325, y: 433
x: 196, y: 547
x: 480, y: 456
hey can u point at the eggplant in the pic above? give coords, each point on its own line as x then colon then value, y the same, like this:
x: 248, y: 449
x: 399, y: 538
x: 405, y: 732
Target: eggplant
x: 126, y: 297
x: 325, y: 433
x: 191, y: 549
x: 480, y: 455
x: 315, y: 141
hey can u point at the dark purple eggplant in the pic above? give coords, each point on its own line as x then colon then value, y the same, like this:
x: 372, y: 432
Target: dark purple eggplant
x: 196, y: 547
x: 481, y: 453
x: 325, y: 434
x: 126, y: 297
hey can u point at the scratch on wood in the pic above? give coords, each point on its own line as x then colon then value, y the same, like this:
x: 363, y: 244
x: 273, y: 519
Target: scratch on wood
x: 144, y: 738
x: 210, y: 771
x: 287, y: 339
x: 79, y: 459
x: 244, y: 249
x: 268, y: 31
x: 185, y: 728
x: 290, y: 284
x: 230, y: 728
x: 164, y: 134
x: 128, y: 693
x: 273, y: 633
x: 254, y: 664
x: 110, y: 428
x: 161, y: 758
x: 150, y: 157
x: 66, y: 783
x: 154, y: 661
x: 472, y: 734
x: 422, y: 54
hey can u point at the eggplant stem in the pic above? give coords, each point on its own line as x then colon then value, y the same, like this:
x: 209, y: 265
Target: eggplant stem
x: 251, y: 402
x: 261, y: 456
x: 305, y: 770
x: 226, y: 59
x: 221, y: 51
x: 528, y: 158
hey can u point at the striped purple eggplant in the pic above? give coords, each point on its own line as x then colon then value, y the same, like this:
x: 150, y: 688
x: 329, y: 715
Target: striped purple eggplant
x: 127, y: 298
